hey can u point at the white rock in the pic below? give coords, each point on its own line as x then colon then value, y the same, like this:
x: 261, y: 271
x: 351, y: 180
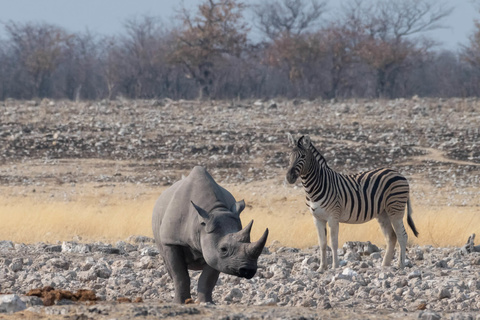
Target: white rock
x: 415, y: 274
x: 149, y: 251
x: 234, y: 294
x: 73, y: 247
x: 349, y: 272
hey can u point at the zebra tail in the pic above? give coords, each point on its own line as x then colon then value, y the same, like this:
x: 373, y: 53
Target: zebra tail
x: 409, y: 218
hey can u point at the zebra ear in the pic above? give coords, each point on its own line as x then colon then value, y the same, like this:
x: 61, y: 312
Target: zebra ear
x: 306, y: 141
x: 291, y: 140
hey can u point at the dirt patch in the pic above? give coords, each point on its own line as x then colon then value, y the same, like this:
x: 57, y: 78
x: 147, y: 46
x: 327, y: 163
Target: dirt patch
x: 49, y: 295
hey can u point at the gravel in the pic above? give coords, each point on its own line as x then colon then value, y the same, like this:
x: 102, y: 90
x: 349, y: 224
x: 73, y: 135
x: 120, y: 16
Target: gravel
x: 439, y: 282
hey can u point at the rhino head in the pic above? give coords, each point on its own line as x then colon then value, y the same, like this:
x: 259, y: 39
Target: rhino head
x: 226, y: 247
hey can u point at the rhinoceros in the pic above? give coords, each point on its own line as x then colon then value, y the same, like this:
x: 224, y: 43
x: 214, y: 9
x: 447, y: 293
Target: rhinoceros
x: 196, y: 225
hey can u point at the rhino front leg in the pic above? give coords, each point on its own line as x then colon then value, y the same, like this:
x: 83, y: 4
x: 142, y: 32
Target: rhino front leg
x: 206, y: 283
x: 178, y: 271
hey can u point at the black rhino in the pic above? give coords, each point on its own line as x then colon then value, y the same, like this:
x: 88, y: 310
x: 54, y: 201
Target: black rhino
x: 196, y: 225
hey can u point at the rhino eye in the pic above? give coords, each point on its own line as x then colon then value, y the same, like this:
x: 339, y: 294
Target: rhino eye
x: 224, y: 250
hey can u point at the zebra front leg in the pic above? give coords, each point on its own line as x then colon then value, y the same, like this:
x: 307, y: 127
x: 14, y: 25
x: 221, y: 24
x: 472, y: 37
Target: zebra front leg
x: 334, y: 242
x: 322, y: 240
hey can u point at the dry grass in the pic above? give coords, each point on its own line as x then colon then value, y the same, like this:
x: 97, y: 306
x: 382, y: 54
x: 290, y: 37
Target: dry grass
x: 114, y: 213
x: 31, y: 221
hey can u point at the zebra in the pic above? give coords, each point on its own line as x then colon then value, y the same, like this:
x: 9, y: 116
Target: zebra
x: 333, y: 197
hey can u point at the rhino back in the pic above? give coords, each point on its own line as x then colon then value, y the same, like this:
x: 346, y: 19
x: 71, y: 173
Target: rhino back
x: 175, y: 220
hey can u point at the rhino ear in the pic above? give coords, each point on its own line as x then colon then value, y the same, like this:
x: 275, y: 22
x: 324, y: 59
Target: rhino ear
x: 291, y: 140
x: 204, y: 214
x: 238, y: 207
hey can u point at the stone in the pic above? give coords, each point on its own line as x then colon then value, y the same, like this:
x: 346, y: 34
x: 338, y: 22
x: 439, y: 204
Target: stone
x: 102, y: 271
x: 444, y: 293
x: 415, y: 274
x: 140, y: 239
x: 53, y: 248
x: 59, y: 263
x: 149, y: 251
x: 10, y: 303
x: 234, y: 294
x: 146, y: 262
x: 73, y: 247
x: 429, y: 315
x: 89, y: 275
x: 6, y: 245
x: 16, y: 265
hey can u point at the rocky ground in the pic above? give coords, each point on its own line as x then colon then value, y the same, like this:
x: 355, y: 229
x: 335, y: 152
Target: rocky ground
x: 437, y: 283
x: 46, y: 145
x: 240, y: 141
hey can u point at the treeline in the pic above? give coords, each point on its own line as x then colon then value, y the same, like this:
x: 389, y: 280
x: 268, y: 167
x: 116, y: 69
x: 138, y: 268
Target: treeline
x: 375, y: 48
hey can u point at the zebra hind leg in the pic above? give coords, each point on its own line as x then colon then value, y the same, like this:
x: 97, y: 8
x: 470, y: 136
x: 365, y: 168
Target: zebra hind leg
x: 390, y: 237
x: 397, y: 223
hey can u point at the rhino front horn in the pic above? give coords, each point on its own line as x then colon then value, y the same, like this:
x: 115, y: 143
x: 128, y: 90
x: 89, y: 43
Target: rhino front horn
x: 244, y: 234
x: 255, y: 248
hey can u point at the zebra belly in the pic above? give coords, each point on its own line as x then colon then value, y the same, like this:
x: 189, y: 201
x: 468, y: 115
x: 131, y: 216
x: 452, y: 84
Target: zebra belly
x: 320, y: 213
x: 323, y: 214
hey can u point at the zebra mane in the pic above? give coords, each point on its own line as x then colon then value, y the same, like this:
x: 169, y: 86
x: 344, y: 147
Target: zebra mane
x: 299, y: 142
x: 320, y: 158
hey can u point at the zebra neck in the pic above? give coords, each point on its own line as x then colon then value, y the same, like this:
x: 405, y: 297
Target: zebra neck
x: 317, y: 171
x: 317, y: 157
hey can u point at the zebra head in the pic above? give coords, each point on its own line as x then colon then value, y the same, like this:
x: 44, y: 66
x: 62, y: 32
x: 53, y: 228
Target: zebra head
x: 298, y: 157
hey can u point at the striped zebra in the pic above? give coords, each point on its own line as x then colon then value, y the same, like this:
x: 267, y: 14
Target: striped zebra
x: 334, y: 197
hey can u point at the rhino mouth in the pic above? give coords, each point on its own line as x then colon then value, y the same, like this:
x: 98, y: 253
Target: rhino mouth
x: 247, y: 273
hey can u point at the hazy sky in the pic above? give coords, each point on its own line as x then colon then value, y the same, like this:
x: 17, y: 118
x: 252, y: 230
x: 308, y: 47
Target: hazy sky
x: 107, y: 16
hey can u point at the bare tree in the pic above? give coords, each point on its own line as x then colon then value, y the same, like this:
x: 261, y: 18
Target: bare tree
x: 293, y: 45
x: 39, y: 47
x: 288, y: 17
x: 77, y: 76
x: 214, y: 33
x: 389, y: 32
x: 471, y: 52
x: 144, y: 55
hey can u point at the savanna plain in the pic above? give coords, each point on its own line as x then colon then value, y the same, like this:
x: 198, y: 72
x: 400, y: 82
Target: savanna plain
x: 90, y: 172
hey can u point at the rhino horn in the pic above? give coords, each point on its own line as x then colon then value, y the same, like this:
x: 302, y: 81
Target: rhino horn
x: 255, y: 248
x: 244, y: 234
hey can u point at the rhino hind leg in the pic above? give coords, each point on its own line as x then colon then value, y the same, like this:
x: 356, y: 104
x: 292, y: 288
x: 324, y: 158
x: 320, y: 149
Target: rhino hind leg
x: 178, y: 271
x: 206, y: 283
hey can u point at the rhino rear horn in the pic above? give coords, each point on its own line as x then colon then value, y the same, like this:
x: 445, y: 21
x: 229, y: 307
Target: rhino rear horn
x: 255, y: 248
x: 244, y: 234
